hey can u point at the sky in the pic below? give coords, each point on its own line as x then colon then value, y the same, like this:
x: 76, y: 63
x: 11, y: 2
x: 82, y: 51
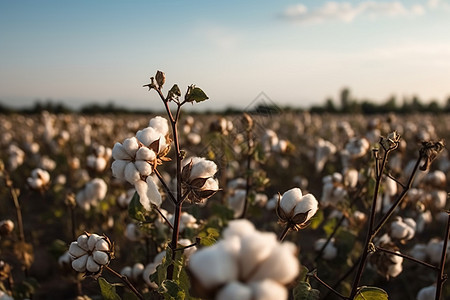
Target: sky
x: 297, y: 53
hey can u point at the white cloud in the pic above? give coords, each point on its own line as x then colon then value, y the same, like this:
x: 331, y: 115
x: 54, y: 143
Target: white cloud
x: 347, y: 12
x: 438, y: 4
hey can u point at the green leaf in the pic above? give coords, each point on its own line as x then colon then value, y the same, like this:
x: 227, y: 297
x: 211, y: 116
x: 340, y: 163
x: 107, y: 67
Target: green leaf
x: 316, y: 220
x: 135, y: 209
x: 208, y: 237
x: 371, y: 293
x: 174, y: 92
x: 127, y: 295
x: 303, y: 273
x: 303, y: 291
x: 329, y: 226
x: 171, y: 290
x: 108, y: 290
x: 195, y: 94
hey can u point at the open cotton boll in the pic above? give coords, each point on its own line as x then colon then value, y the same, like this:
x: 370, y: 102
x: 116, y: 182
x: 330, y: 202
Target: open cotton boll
x: 236, y: 202
x: 419, y: 251
x: 281, y: 265
x: 268, y: 290
x: 202, y: 168
x: 255, y: 248
x: 120, y: 153
x: 289, y: 200
x: 213, y: 266
x: 160, y: 124
x: 308, y: 204
x: 396, y: 267
x: 131, y: 146
x: 188, y: 251
x: 148, y: 193
x: 234, y: 290
x: 240, y: 228
x: 149, y: 135
x: 330, y: 251
x: 146, y: 154
x: 427, y: 293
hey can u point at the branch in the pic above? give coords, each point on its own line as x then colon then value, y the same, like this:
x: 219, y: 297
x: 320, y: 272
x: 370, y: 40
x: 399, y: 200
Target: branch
x: 443, y: 277
x: 126, y: 281
x: 166, y: 187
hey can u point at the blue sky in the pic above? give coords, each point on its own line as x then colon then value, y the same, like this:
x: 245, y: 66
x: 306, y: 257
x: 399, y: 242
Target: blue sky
x: 296, y: 52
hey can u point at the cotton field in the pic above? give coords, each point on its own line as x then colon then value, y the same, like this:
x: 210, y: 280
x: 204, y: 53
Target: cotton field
x: 246, y: 206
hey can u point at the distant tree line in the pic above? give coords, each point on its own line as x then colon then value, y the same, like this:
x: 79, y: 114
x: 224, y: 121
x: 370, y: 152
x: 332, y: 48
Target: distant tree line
x: 60, y: 108
x: 350, y: 105
x: 347, y: 104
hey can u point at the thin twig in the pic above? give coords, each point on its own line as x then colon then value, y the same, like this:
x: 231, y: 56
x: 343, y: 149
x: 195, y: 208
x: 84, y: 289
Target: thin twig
x: 443, y: 277
x: 284, y: 232
x: 314, y: 275
x: 369, y: 236
x: 248, y: 171
x: 186, y: 247
x: 407, y: 257
x: 163, y: 216
x: 126, y: 281
x: 166, y: 187
x: 396, y: 180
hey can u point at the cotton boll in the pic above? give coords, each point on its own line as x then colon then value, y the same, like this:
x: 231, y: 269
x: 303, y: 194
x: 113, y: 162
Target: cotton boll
x: 281, y: 265
x: 234, y: 290
x: 120, y: 153
x: 255, y: 248
x: 202, y: 168
x: 160, y: 124
x: 240, y: 228
x: 148, y: 135
x: 131, y: 146
x: 145, y: 154
x: 118, y: 168
x: 427, y: 293
x: 330, y: 251
x: 213, y: 266
x: 137, y: 271
x: 351, y: 178
x: 439, y: 198
x: 308, y: 204
x: 132, y: 232
x: 194, y: 138
x: 188, y: 251
x: 131, y: 173
x: 289, y: 200
x: 149, y: 270
x: 126, y: 271
x: 419, y: 251
x: 396, y: 267
x: 268, y: 290
x: 148, y: 193
x: 236, y: 202
x: 79, y: 264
